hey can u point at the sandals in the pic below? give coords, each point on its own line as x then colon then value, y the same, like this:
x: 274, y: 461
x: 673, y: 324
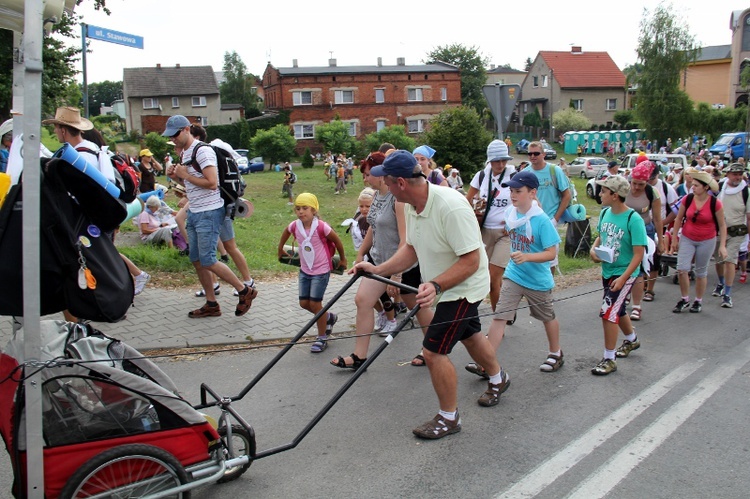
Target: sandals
x: 553, y: 363
x: 356, y: 362
x: 635, y: 315
x: 418, y: 361
x: 320, y: 344
x: 475, y: 368
x: 648, y: 296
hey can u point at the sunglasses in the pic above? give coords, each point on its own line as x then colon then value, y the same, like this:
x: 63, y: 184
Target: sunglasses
x: 695, y: 215
x: 175, y: 135
x: 534, y: 153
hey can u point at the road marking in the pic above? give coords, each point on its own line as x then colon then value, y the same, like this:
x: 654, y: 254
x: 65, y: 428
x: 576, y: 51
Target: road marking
x: 606, y: 478
x: 557, y: 465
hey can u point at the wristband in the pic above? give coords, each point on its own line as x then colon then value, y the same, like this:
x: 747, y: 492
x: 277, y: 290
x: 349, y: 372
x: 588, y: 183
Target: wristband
x: 438, y: 289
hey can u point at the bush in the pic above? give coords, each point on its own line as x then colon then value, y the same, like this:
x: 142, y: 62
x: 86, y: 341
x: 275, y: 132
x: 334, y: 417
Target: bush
x: 307, y: 159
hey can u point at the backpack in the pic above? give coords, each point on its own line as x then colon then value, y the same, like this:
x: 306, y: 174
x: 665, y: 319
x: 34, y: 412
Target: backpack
x: 231, y: 185
x: 327, y: 243
x: 292, y: 177
x: 128, y: 179
x: 689, y: 199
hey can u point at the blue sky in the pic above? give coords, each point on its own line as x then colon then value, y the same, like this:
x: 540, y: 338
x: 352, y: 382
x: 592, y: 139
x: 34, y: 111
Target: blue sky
x: 191, y: 33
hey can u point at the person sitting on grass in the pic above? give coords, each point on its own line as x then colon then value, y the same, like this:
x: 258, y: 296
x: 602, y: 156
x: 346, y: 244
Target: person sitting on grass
x: 153, y: 229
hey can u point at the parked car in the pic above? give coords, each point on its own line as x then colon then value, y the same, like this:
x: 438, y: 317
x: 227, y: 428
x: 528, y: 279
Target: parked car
x: 680, y: 159
x: 729, y: 141
x: 549, y: 151
x: 242, y: 162
x: 591, y: 184
x: 586, y: 166
x: 255, y: 165
x: 522, y: 146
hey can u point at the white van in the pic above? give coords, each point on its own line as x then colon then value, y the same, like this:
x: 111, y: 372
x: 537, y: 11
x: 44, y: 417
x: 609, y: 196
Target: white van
x: 680, y: 159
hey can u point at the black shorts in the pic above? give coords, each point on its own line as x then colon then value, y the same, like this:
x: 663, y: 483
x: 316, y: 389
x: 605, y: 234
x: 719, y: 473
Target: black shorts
x: 454, y: 321
x: 411, y: 278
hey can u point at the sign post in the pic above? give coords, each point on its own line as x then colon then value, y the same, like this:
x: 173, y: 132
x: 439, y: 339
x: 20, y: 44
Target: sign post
x: 502, y: 99
x: 105, y: 35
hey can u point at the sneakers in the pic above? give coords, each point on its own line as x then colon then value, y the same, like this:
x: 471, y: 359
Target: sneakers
x: 743, y: 278
x: 380, y: 321
x: 401, y: 308
x: 726, y: 301
x: 332, y: 318
x: 604, y: 367
x: 140, y: 282
x: 627, y: 347
x: 491, y: 396
x: 718, y: 290
x: 205, y: 311
x: 202, y: 293
x: 696, y: 308
x: 245, y: 301
x: 438, y: 427
x: 681, y: 305
x: 389, y: 327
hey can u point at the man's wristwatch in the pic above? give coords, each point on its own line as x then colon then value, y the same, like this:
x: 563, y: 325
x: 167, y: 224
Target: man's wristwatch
x: 438, y: 289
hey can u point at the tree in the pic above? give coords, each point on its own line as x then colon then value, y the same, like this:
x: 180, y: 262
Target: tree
x: 394, y: 134
x: 334, y: 136
x: 238, y: 85
x: 157, y: 144
x: 533, y: 118
x: 275, y: 145
x: 527, y: 65
x: 568, y: 119
x: 623, y: 117
x: 105, y: 92
x: 307, y: 159
x: 471, y: 65
x: 460, y: 139
x: 665, y: 48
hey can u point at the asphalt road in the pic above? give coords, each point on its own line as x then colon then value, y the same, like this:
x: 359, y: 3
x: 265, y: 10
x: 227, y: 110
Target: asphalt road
x: 671, y: 422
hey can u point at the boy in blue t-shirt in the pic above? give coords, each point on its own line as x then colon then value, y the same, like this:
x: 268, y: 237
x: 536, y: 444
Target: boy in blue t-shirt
x: 533, y: 240
x: 621, y: 244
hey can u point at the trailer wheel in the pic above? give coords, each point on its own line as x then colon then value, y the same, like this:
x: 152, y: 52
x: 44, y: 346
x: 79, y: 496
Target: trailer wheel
x: 127, y: 471
x: 243, y: 444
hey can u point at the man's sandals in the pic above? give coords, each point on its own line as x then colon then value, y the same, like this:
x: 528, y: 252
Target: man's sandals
x: 341, y: 362
x: 418, y: 360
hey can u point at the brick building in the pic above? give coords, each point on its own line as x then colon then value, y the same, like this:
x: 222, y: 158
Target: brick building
x: 368, y: 98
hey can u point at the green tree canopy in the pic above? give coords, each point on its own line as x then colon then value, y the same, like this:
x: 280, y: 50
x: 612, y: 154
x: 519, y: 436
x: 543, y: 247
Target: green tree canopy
x: 473, y: 75
x: 665, y: 48
x: 239, y: 85
x: 103, y: 93
x: 334, y: 136
x: 460, y: 139
x: 568, y: 119
x: 533, y: 118
x: 623, y: 117
x: 275, y: 145
x: 394, y: 134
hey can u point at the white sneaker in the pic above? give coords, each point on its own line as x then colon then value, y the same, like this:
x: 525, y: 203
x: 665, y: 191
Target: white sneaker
x: 389, y: 327
x: 140, y: 282
x: 380, y: 321
x: 249, y: 284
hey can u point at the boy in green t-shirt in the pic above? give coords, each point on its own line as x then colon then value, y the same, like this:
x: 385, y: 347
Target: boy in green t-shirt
x: 619, y: 248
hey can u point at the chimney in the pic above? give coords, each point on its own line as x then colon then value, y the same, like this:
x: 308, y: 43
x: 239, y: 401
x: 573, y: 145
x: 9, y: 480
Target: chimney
x: 576, y: 49
x: 380, y: 61
x: 332, y: 63
x: 294, y: 63
x: 492, y: 66
x: 177, y: 65
x: 401, y: 61
x: 158, y: 66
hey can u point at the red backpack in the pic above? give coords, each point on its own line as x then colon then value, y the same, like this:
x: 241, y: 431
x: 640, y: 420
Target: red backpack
x: 128, y: 180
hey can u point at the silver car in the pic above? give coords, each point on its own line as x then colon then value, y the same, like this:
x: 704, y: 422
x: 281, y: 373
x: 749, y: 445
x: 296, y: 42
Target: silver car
x: 586, y: 166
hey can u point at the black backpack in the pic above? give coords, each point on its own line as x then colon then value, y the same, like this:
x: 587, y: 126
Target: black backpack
x: 231, y: 185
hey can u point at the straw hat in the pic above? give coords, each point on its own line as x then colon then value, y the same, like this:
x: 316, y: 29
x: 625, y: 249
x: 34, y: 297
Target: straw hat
x: 70, y: 116
x: 705, y: 178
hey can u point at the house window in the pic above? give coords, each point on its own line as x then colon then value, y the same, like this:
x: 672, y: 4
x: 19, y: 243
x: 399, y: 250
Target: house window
x: 443, y: 94
x: 150, y: 103
x: 175, y: 102
x: 199, y: 101
x: 415, y: 95
x: 577, y: 104
x: 304, y: 132
x: 611, y: 104
x: 536, y: 81
x: 344, y: 96
x: 525, y: 107
x: 544, y: 80
x: 303, y: 98
x: 353, y: 128
x: 203, y: 120
x: 379, y: 125
x: 379, y: 95
x: 416, y: 126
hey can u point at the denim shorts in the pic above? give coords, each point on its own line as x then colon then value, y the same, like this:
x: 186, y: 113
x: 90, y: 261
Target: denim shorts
x: 203, y: 235
x: 313, y: 287
x: 226, y: 232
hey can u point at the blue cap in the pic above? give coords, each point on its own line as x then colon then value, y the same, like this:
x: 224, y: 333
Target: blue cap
x: 524, y: 178
x: 425, y: 150
x: 175, y: 124
x: 398, y: 164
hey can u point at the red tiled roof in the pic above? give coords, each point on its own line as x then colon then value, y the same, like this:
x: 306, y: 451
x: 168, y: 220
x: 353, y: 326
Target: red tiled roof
x: 584, y: 69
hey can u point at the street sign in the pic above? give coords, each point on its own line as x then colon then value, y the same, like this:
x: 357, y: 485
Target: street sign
x: 108, y: 35
x: 502, y: 100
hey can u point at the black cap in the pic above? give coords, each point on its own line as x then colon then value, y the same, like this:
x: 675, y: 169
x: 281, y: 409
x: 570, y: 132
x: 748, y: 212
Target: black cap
x: 612, y: 164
